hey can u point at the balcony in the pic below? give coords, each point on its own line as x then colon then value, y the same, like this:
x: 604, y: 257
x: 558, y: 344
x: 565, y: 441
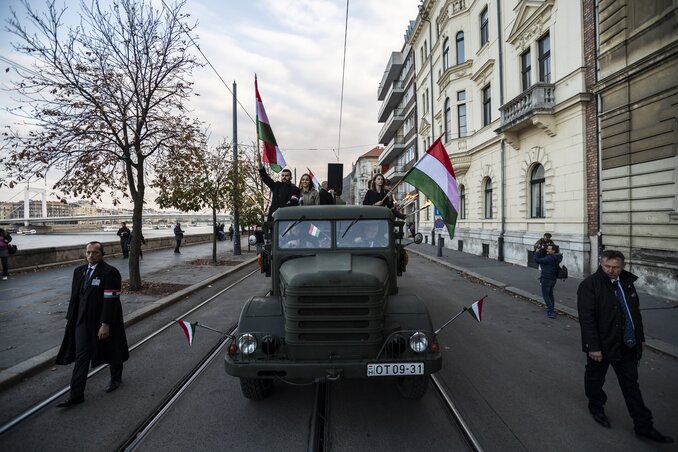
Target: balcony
x: 392, y: 125
x: 393, y: 68
x: 393, y: 98
x: 533, y: 107
x: 395, y: 173
x: 395, y: 148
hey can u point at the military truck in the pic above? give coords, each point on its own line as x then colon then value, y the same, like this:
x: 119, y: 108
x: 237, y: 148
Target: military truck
x: 333, y: 310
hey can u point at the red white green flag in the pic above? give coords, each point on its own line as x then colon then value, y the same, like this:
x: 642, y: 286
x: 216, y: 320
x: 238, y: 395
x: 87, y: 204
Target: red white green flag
x: 433, y: 175
x: 189, y: 330
x: 314, y: 231
x: 313, y: 178
x: 272, y: 154
x: 476, y: 309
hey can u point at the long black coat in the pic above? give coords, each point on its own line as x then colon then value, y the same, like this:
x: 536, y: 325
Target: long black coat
x: 101, y: 308
x: 283, y: 194
x: 374, y: 196
x: 601, y: 318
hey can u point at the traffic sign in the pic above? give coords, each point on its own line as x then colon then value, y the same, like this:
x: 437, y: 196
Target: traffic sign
x: 439, y: 223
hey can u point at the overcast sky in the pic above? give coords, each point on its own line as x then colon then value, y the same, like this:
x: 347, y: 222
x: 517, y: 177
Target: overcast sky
x: 296, y: 48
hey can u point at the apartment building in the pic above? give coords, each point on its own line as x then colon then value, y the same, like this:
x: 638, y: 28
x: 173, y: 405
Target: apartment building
x: 506, y: 84
x: 365, y: 167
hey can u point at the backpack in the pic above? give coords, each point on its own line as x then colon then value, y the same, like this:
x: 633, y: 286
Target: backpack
x: 11, y: 249
x: 562, y: 272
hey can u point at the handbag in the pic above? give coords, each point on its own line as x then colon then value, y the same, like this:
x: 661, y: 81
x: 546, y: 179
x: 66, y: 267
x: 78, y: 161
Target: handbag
x: 11, y: 249
x: 562, y: 272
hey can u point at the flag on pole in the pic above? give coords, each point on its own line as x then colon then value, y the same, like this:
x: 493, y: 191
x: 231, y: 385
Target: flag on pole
x: 433, y: 175
x: 272, y: 154
x: 313, y: 178
x: 189, y: 330
x: 314, y: 231
x: 476, y: 309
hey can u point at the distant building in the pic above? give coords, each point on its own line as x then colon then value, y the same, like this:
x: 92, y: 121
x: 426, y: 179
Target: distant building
x: 365, y: 167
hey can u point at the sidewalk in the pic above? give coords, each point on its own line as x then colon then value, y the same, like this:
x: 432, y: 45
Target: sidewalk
x: 33, y: 304
x: 661, y: 325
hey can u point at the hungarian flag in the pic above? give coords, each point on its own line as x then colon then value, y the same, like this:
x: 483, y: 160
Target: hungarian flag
x: 189, y: 330
x: 313, y: 178
x: 272, y: 154
x: 433, y: 176
x: 476, y: 309
x: 314, y: 231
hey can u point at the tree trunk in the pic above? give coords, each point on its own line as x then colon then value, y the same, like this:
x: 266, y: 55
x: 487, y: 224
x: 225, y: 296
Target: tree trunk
x: 138, y: 200
x: 214, y: 235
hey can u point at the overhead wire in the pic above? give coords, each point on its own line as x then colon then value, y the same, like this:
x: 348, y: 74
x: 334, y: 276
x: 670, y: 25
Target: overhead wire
x: 343, y: 74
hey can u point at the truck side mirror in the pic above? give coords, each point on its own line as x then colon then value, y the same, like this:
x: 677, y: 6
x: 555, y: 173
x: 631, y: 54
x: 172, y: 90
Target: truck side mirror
x: 252, y: 240
x: 418, y: 238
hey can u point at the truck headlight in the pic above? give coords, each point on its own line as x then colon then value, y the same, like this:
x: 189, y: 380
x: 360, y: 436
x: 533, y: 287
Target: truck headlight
x: 247, y: 343
x: 418, y: 342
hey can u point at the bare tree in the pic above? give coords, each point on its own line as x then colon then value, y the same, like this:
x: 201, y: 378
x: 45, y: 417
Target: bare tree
x: 106, y: 99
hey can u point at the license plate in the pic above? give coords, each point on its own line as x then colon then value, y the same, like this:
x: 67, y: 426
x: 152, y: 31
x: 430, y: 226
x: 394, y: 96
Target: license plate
x: 393, y: 369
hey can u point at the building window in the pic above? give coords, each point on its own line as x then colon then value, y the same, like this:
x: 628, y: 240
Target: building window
x: 462, y: 202
x: 461, y: 118
x: 488, y: 198
x: 487, y: 106
x: 460, y: 48
x: 537, y: 192
x: 484, y: 28
x: 448, y: 120
x: 526, y: 68
x: 446, y: 53
x: 545, y: 59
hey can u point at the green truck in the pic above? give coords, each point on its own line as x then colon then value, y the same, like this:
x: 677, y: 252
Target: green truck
x: 333, y: 310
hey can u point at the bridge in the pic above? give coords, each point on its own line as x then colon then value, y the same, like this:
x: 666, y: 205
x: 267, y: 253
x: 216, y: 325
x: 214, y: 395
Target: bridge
x: 170, y: 217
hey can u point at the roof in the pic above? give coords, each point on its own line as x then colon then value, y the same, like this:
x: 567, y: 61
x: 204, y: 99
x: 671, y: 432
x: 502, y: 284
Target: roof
x: 375, y: 152
x: 332, y: 212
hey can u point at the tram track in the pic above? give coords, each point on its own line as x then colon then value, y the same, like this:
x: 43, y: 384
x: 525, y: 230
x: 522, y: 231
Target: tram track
x: 37, y: 407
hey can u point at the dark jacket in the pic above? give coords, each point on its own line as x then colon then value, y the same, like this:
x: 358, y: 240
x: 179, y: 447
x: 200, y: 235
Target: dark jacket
x: 178, y: 233
x: 123, y: 233
x: 96, y: 311
x: 601, y: 318
x: 282, y: 193
x: 549, y: 264
x: 373, y: 196
x: 325, y: 197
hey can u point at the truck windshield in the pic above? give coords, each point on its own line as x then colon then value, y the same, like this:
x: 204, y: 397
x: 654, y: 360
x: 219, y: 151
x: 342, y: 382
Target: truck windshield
x: 309, y: 234
x: 363, y: 234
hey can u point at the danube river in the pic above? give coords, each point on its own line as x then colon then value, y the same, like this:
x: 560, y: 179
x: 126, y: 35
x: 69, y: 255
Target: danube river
x: 24, y: 242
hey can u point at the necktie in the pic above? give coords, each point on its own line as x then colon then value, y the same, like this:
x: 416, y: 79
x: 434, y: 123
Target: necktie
x: 87, y: 277
x: 629, y: 334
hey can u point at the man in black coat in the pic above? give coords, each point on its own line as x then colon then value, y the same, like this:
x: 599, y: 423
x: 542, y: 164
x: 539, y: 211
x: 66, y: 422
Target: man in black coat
x: 95, y: 331
x: 325, y: 196
x: 284, y: 193
x: 612, y: 334
x: 124, y: 234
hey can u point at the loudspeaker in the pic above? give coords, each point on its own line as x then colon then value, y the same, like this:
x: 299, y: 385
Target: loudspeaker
x: 335, y: 176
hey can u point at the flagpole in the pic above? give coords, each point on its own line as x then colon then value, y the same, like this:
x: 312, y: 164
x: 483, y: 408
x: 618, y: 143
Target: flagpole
x: 212, y: 329
x: 466, y: 308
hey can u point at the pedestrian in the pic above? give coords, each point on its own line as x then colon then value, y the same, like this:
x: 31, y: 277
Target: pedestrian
x: 541, y: 244
x: 5, y: 238
x: 230, y: 232
x: 124, y: 234
x: 284, y: 193
x: 612, y: 334
x: 141, y: 242
x: 377, y: 195
x: 178, y: 235
x: 411, y: 229
x: 549, y: 263
x: 325, y: 196
x: 309, y: 195
x: 95, y: 331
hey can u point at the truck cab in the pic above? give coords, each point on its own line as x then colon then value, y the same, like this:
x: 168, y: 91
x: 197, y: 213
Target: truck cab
x: 333, y: 310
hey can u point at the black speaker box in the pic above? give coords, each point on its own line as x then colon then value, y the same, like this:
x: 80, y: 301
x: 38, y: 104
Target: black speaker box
x: 335, y: 176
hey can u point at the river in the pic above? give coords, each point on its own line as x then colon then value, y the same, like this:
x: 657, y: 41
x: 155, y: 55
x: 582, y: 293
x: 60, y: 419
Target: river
x: 27, y: 242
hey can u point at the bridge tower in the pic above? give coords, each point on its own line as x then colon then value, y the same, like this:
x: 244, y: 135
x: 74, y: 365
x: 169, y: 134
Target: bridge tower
x: 27, y: 202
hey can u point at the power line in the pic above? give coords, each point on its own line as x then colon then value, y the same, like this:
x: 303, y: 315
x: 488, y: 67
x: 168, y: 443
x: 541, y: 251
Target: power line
x: 343, y: 73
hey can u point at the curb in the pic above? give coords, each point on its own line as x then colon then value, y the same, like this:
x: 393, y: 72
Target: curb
x: 650, y: 342
x: 24, y: 369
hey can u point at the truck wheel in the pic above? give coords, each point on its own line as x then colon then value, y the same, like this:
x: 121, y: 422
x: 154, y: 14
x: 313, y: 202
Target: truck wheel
x: 255, y: 388
x: 413, y: 388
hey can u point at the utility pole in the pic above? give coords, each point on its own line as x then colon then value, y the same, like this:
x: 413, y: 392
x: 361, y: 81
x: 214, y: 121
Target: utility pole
x: 236, y: 217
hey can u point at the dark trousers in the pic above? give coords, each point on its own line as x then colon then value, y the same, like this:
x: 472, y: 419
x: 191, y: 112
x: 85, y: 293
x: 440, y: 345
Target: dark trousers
x: 5, y: 265
x: 176, y: 248
x: 124, y: 244
x: 83, y: 357
x: 627, y: 375
x: 547, y: 286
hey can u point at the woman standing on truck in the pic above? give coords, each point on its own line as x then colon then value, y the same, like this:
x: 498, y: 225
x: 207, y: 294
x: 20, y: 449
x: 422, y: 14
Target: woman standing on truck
x: 309, y: 195
x: 377, y: 194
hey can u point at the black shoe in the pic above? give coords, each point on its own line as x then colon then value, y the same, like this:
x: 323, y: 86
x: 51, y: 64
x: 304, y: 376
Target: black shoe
x: 69, y: 402
x: 654, y: 435
x: 599, y: 417
x: 112, y: 386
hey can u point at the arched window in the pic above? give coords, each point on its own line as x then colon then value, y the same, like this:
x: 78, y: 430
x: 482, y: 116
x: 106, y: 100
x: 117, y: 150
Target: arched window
x: 446, y: 53
x: 460, y: 48
x: 537, y: 192
x: 462, y: 202
x: 488, y: 198
x: 448, y: 120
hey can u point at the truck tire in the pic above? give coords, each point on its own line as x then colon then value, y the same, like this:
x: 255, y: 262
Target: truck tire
x: 256, y: 388
x: 413, y: 388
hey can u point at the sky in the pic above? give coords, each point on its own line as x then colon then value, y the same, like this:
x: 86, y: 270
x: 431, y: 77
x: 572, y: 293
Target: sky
x: 296, y: 49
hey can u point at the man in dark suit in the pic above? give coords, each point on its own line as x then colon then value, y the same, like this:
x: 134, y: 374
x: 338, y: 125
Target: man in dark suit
x: 124, y: 234
x: 95, y: 331
x: 612, y: 335
x: 326, y: 197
